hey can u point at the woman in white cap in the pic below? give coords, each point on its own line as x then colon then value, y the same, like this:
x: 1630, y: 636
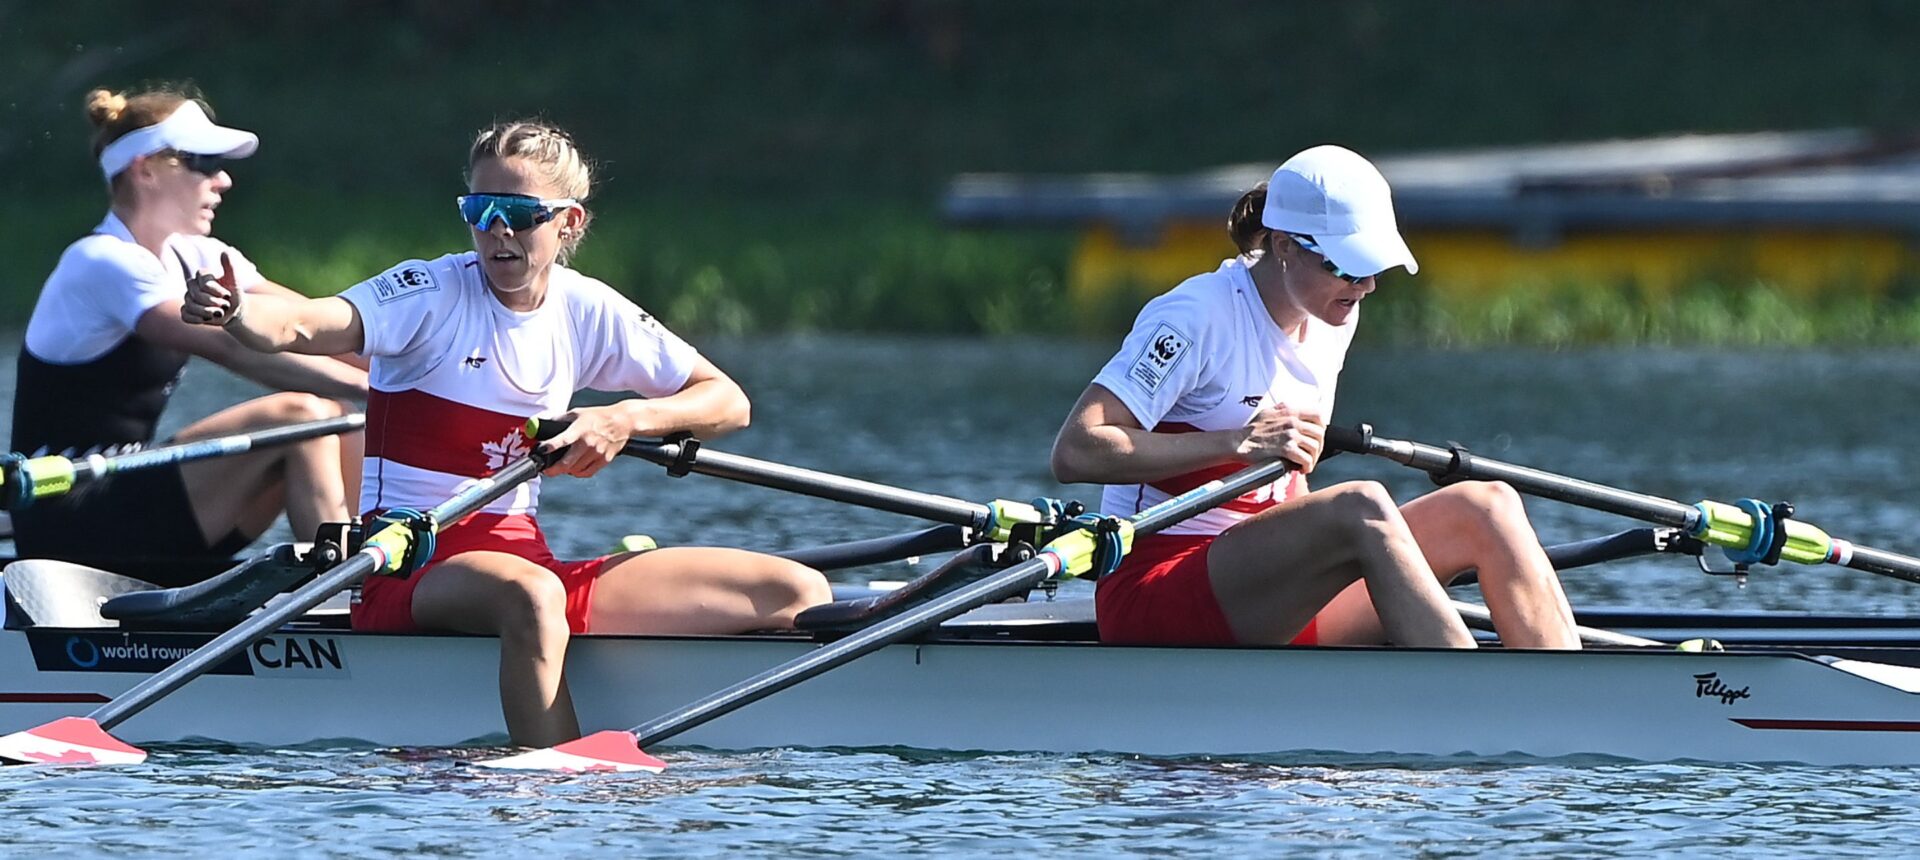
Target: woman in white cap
x: 106, y: 345
x: 1238, y: 366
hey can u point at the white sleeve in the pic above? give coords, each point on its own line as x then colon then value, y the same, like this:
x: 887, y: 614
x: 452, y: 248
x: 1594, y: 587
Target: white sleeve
x: 122, y: 287
x: 628, y: 350
x: 1160, y: 360
x: 246, y: 275
x: 398, y: 307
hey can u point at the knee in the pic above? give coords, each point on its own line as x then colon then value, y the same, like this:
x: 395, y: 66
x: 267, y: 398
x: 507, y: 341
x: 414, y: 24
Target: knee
x: 293, y: 407
x: 1492, y: 504
x: 792, y: 588
x: 532, y: 607
x: 1364, y: 502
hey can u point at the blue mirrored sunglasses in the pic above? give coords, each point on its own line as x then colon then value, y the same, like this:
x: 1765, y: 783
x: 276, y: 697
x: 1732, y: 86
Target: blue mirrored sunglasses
x: 517, y: 211
x: 1325, y: 263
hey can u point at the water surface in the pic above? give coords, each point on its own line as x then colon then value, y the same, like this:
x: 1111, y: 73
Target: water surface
x: 1829, y: 431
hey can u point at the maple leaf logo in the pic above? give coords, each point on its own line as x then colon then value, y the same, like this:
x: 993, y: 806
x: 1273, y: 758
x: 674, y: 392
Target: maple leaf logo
x: 512, y: 446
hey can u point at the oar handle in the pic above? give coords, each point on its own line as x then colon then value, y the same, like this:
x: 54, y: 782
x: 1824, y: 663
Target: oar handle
x: 1070, y: 552
x: 382, y: 549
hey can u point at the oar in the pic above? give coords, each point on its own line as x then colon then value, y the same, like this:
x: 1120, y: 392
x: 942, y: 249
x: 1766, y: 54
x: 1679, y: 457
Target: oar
x: 30, y: 478
x: 1749, y: 531
x: 992, y: 521
x: 84, y: 740
x: 1477, y: 617
x: 1072, y: 553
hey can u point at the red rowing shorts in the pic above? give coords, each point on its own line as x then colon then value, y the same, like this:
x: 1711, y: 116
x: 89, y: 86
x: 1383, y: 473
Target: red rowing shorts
x: 1161, y: 595
x: 386, y: 602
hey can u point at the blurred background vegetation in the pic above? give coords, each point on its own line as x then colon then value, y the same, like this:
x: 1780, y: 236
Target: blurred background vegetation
x: 777, y: 166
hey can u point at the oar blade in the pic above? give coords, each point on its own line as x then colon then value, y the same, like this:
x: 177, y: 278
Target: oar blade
x: 600, y: 752
x: 77, y: 741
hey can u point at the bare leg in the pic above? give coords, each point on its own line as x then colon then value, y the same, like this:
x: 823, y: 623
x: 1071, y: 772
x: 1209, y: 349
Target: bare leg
x: 526, y: 606
x: 1273, y: 573
x: 702, y: 590
x: 1484, y: 525
x: 247, y: 492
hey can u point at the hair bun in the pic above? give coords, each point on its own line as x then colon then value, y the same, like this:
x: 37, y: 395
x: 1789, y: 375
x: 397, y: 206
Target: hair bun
x: 105, y: 106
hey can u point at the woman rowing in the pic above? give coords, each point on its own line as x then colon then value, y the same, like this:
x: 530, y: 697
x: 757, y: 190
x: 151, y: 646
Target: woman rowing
x: 464, y: 349
x: 106, y: 344
x: 1238, y: 366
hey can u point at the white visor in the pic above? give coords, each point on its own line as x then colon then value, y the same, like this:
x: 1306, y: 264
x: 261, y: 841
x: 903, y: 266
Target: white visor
x: 187, y: 129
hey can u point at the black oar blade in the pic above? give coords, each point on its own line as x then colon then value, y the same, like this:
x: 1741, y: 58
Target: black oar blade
x: 612, y: 751
x: 73, y: 741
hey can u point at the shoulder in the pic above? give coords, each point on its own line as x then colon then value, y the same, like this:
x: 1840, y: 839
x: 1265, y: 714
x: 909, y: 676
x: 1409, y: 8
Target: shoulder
x: 590, y: 299
x: 583, y: 290
x: 1198, y: 304
x: 101, y: 256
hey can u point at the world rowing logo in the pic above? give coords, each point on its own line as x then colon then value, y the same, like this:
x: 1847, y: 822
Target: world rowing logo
x: 511, y: 447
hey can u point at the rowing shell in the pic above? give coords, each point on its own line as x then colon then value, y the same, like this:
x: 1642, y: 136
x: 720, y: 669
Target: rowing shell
x: 1005, y: 679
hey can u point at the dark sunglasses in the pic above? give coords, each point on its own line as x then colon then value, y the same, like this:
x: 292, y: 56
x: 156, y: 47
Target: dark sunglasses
x: 517, y: 211
x: 1325, y: 263
x: 205, y: 165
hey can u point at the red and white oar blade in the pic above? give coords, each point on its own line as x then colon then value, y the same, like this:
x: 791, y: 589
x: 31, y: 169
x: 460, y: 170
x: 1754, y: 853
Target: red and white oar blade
x: 68, y: 741
x: 600, y: 752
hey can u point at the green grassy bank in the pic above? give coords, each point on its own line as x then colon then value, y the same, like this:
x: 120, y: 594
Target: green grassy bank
x: 774, y: 166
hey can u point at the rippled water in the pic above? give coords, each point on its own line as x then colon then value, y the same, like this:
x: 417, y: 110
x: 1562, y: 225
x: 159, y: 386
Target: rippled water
x: 1830, y: 431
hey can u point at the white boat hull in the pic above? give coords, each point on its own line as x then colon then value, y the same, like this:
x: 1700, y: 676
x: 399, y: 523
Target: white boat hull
x: 307, y: 686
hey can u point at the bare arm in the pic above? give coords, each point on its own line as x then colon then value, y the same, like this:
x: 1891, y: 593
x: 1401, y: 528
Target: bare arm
x: 272, y: 288
x: 709, y: 404
x: 163, y: 324
x: 1102, y: 443
x: 275, y: 321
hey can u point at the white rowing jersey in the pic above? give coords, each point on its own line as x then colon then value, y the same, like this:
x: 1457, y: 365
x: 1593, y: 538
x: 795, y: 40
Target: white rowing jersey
x: 107, y: 280
x: 1207, y: 355
x: 455, y: 374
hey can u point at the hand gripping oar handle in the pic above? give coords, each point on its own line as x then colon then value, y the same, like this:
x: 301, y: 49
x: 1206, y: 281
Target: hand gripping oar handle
x: 1071, y: 552
x: 382, y: 550
x: 30, y: 478
x: 1730, y: 526
x: 686, y: 455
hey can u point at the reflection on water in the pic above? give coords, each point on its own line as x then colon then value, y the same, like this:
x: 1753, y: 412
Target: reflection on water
x: 1828, y: 431
x: 883, y: 802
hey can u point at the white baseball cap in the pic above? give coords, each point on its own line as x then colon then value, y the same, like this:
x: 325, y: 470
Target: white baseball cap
x: 187, y: 129
x: 1339, y: 199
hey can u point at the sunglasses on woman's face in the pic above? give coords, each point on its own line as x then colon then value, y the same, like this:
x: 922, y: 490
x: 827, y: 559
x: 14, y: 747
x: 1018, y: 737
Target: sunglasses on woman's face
x: 205, y: 165
x: 517, y: 211
x: 1325, y: 263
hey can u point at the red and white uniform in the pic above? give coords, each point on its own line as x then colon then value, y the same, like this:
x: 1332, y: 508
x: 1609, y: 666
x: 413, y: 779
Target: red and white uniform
x: 1208, y: 356
x: 1205, y: 356
x: 456, y: 374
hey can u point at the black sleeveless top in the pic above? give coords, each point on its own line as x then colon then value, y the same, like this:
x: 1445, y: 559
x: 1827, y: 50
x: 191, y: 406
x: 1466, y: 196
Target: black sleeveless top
x: 112, y: 402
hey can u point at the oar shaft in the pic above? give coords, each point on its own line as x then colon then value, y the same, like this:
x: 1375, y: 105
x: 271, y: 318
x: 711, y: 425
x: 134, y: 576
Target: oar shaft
x: 299, y: 602
x: 1884, y: 563
x: 1479, y: 618
x: 238, y: 443
x: 808, y: 482
x: 53, y: 475
x: 1804, y: 542
x: 999, y: 586
x: 1443, y: 462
